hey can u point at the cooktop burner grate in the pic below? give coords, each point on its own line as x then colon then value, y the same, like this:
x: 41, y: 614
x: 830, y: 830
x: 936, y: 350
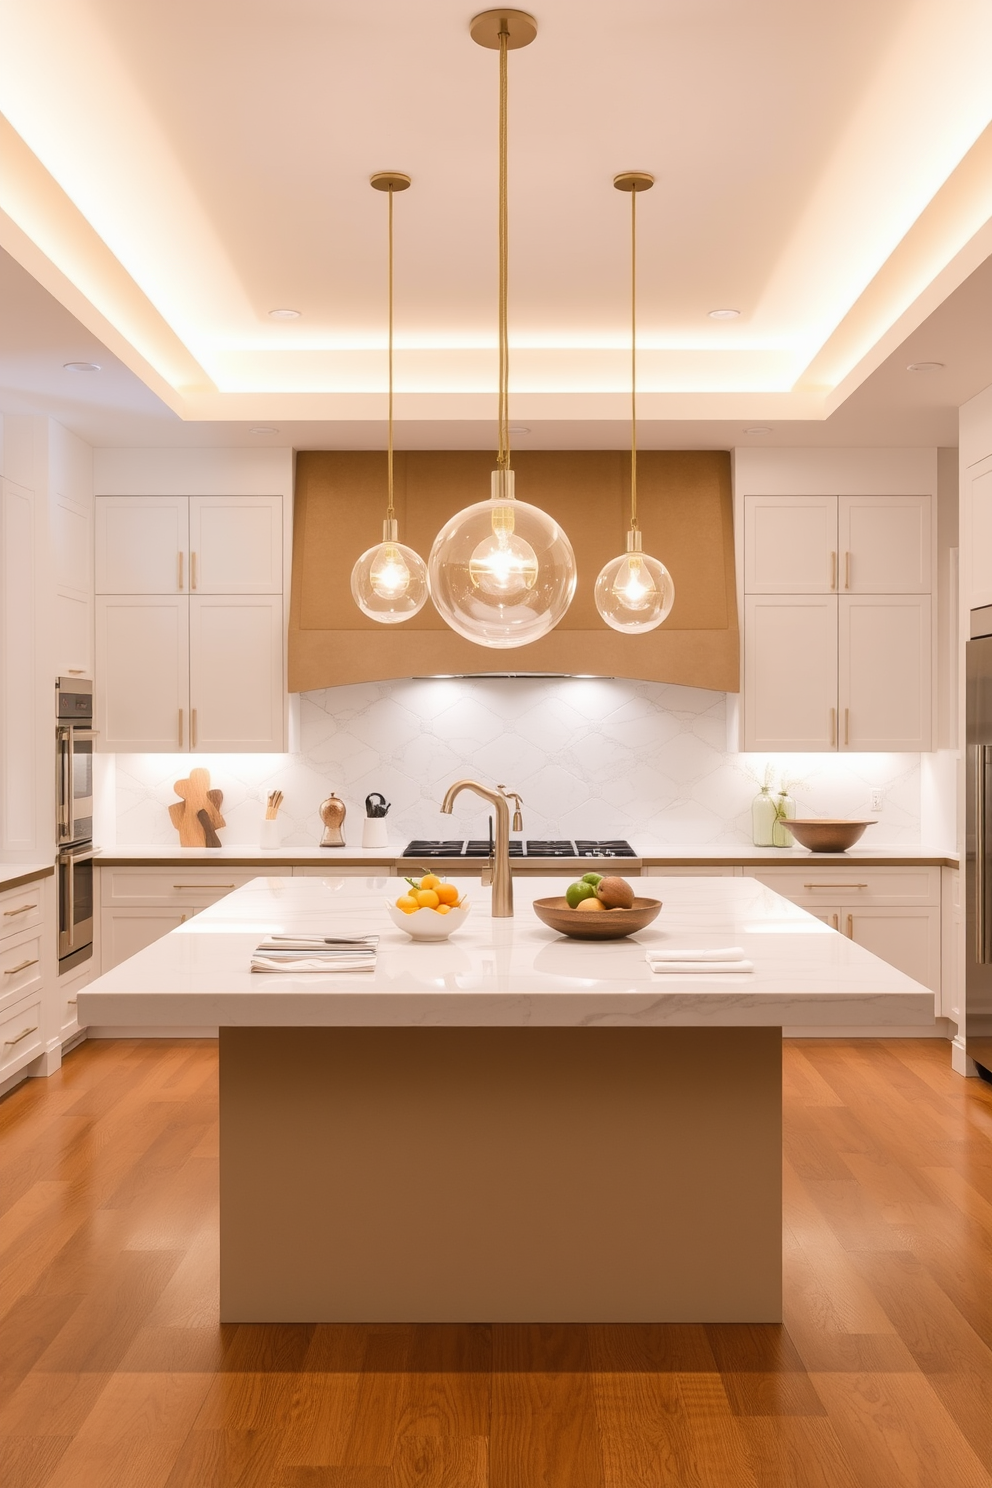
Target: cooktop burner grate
x: 582, y: 847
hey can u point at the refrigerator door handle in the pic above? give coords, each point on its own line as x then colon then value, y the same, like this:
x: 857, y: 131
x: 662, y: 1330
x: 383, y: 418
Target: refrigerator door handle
x: 982, y: 753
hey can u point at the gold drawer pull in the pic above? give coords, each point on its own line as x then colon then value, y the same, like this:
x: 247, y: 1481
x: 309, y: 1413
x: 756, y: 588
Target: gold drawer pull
x: 71, y: 1000
x: 835, y: 886
x: 23, y: 910
x: 15, y: 969
x: 203, y: 886
x: 9, y: 1043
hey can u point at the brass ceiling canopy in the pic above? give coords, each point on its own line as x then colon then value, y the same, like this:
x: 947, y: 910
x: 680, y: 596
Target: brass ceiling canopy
x: 520, y: 28
x: 389, y: 181
x: 633, y: 181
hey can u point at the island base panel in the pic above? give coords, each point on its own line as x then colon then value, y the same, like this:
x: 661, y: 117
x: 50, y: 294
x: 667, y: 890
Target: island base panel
x: 501, y: 1174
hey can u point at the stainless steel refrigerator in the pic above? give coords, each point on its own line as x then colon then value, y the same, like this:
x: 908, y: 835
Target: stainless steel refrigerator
x: 978, y: 842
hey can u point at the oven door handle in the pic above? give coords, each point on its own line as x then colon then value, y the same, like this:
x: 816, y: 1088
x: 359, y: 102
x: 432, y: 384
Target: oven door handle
x: 65, y: 805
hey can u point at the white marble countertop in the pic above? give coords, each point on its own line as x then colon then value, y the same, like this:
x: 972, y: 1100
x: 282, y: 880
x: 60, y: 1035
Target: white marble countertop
x: 648, y: 855
x: 12, y: 875
x: 512, y: 972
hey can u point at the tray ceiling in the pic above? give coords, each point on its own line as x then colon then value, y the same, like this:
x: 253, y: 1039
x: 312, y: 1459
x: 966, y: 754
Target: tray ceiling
x: 171, y: 174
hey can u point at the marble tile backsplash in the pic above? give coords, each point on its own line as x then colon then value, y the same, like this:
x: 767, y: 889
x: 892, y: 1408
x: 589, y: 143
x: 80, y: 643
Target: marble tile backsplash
x: 591, y: 757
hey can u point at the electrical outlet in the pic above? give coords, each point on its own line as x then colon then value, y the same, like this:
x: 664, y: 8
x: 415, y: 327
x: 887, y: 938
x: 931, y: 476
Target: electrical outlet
x: 876, y: 800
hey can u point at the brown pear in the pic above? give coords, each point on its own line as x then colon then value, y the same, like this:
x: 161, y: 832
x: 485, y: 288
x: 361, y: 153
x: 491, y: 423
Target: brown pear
x: 615, y: 893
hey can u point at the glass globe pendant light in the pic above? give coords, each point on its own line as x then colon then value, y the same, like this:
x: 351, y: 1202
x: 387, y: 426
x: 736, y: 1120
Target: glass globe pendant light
x: 634, y: 592
x: 389, y: 582
x: 502, y: 572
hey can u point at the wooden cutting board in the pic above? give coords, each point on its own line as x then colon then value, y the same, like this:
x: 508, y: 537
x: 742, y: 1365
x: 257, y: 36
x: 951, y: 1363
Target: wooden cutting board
x: 196, y: 797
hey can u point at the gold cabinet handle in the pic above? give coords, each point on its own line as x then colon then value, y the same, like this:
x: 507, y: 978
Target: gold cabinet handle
x: 179, y: 556
x: 9, y: 1043
x: 192, y: 570
x: 836, y: 920
x: 847, y: 570
x: 835, y: 886
x: 9, y: 913
x: 847, y: 725
x: 833, y: 570
x: 192, y: 728
x: 850, y: 927
x: 203, y: 886
x: 833, y: 726
x: 70, y: 1001
x: 13, y: 970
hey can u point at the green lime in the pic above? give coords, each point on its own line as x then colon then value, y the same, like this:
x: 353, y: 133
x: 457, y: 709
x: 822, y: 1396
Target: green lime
x: 592, y: 878
x: 576, y: 892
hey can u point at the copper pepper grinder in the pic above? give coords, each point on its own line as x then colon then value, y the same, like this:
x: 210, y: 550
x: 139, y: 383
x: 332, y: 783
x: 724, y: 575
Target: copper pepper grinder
x: 332, y: 814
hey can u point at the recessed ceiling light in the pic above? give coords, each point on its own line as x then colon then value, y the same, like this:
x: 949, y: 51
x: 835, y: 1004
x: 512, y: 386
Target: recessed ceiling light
x: 284, y: 314
x: 925, y: 367
x: 723, y: 314
x: 758, y: 429
x: 262, y: 429
x: 519, y: 429
x: 81, y: 366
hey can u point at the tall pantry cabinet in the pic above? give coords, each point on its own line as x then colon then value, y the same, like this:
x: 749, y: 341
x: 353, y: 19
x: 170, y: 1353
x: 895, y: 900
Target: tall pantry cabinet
x: 189, y: 624
x: 837, y: 623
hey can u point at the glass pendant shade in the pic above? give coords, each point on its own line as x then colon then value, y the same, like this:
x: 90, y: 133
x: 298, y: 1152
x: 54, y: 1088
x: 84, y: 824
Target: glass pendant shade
x: 634, y: 592
x: 389, y: 582
x: 502, y: 572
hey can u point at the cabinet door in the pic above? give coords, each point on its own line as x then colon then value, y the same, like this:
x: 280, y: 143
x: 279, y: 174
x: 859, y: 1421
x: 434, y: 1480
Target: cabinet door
x: 908, y: 939
x: 790, y: 544
x: 21, y: 669
x: 125, y: 932
x: 884, y: 544
x: 141, y: 544
x: 977, y: 567
x: 142, y: 673
x: 235, y: 544
x: 236, y: 673
x: 885, y: 665
x: 790, y: 672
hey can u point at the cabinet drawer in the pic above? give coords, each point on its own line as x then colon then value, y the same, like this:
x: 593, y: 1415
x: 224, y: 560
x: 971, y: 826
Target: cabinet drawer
x: 20, y: 909
x: 21, y: 1038
x: 379, y: 871
x: 686, y: 872
x: 813, y: 884
x: 140, y: 887
x: 20, y: 966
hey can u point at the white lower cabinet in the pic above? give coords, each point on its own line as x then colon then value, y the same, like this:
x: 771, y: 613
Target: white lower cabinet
x: 28, y: 1021
x: 125, y: 932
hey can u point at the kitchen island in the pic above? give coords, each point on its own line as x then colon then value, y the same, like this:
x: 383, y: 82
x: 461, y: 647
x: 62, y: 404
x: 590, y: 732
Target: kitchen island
x: 508, y: 1126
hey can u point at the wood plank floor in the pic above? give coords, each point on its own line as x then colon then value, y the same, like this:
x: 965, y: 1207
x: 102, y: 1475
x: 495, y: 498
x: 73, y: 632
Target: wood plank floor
x: 114, y: 1372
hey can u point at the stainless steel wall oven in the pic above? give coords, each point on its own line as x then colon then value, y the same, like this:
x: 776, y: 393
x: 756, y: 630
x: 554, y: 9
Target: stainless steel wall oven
x: 75, y: 738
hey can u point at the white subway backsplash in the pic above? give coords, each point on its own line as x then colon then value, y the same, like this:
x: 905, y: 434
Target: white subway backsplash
x: 591, y: 757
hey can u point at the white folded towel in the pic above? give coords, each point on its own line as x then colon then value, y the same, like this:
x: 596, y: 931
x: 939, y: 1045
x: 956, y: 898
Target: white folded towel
x: 668, y: 953
x: 290, y: 965
x: 698, y: 968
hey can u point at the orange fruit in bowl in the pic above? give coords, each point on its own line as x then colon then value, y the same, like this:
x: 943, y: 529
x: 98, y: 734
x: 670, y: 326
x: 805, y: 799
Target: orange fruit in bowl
x: 430, y: 881
x: 447, y: 893
x: 407, y: 903
x: 427, y: 898
x: 591, y: 905
x: 443, y: 909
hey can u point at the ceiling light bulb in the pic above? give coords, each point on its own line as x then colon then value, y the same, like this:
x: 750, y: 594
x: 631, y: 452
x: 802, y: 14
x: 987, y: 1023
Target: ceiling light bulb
x: 723, y: 314
x: 389, y: 582
x: 925, y: 367
x: 503, y: 564
x: 635, y: 592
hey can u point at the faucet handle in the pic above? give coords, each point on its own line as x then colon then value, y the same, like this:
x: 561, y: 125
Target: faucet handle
x: 518, y: 821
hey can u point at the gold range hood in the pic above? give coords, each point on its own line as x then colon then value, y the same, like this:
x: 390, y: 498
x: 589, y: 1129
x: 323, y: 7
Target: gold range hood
x: 686, y: 512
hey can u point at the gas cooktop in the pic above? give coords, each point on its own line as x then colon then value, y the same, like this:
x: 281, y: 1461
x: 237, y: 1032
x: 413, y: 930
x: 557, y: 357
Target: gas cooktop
x: 582, y: 847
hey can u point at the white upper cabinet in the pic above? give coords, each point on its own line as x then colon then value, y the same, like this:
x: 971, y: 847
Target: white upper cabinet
x: 790, y: 544
x: 142, y: 544
x: 142, y: 673
x: 235, y: 544
x: 790, y: 666
x: 884, y: 544
x: 885, y: 693
x: 236, y: 673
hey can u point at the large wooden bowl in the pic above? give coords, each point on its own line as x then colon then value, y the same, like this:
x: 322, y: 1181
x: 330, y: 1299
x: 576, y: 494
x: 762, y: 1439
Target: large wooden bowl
x: 610, y: 924
x: 825, y: 835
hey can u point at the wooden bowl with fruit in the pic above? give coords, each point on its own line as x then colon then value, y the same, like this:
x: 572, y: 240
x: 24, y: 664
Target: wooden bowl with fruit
x: 430, y: 909
x: 597, y: 907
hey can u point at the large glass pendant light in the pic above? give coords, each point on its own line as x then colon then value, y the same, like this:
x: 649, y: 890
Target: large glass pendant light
x: 502, y: 573
x: 389, y: 582
x: 634, y: 592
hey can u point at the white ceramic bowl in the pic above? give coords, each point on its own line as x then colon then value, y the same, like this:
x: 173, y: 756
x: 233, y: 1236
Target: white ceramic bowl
x: 427, y: 924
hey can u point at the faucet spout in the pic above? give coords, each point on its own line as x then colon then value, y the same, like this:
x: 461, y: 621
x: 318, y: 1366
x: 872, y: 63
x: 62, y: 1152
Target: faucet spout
x: 502, y: 900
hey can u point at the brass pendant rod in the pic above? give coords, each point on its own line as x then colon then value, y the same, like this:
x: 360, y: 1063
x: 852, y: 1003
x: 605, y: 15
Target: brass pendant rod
x: 633, y: 361
x: 503, y: 458
x: 390, y: 510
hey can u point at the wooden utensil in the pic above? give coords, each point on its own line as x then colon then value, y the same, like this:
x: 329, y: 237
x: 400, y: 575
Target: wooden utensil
x: 210, y: 838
